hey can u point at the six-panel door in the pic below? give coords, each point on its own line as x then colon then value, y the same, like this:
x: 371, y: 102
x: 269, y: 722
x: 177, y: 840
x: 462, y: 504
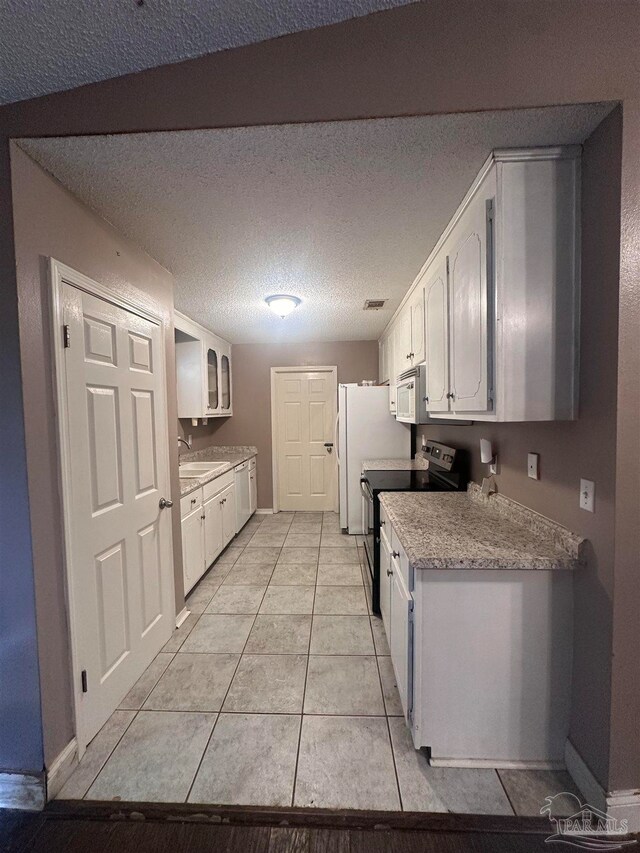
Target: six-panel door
x: 305, y: 413
x: 119, y: 551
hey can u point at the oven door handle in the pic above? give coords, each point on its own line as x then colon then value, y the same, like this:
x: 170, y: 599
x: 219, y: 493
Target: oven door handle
x: 366, y: 489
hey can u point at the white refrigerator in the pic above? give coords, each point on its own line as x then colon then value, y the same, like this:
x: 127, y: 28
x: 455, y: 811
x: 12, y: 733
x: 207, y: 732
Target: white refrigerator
x: 365, y: 429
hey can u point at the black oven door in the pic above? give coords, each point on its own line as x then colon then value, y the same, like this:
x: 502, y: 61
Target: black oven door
x: 370, y: 542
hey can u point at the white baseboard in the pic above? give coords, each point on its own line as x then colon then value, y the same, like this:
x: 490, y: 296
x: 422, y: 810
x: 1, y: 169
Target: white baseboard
x: 625, y: 805
x: 23, y: 791
x: 621, y: 805
x: 180, y: 618
x: 61, y: 768
x: 496, y: 764
x: 264, y: 512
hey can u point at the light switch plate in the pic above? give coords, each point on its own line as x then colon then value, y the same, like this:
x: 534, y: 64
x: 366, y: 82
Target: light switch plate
x: 533, y: 466
x: 587, y: 495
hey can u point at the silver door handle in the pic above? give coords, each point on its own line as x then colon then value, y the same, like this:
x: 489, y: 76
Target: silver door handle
x: 165, y: 503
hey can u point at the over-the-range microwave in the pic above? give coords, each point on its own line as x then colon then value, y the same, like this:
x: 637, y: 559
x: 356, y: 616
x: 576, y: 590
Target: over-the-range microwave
x: 411, y: 396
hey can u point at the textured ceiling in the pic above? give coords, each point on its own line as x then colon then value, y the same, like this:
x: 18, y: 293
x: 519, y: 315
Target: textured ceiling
x: 51, y: 45
x: 334, y: 213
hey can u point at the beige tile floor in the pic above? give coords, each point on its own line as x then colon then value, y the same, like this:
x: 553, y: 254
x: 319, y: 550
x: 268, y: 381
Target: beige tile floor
x: 278, y: 690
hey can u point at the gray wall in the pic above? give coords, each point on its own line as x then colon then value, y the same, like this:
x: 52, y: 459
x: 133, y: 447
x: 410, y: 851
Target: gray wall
x: 582, y: 448
x: 251, y: 421
x: 20, y: 716
x: 50, y: 222
x: 434, y: 57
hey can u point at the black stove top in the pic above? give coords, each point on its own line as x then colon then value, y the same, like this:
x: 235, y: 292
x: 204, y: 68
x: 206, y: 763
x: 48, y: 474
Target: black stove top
x: 421, y: 480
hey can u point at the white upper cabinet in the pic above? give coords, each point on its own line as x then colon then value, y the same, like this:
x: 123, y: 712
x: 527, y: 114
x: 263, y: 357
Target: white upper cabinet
x: 203, y: 371
x: 402, y: 346
x: 383, y: 360
x: 501, y: 295
x: 416, y: 311
x: 226, y: 407
x: 437, y: 338
x: 468, y: 257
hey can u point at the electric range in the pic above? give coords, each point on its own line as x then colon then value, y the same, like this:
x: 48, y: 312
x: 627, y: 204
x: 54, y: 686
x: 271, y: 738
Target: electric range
x: 446, y: 473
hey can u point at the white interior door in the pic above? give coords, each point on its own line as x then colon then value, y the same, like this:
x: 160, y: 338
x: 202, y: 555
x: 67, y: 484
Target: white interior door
x: 304, y: 409
x: 119, y: 553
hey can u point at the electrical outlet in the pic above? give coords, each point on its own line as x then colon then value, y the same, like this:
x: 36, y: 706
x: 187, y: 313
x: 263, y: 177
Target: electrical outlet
x: 533, y: 466
x: 587, y: 495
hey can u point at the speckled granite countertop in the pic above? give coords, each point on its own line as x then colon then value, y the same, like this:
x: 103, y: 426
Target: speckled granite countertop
x: 417, y: 464
x: 232, y: 456
x: 463, y: 530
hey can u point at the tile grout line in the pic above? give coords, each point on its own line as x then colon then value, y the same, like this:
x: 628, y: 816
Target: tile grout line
x: 506, y: 793
x: 137, y: 710
x: 213, y: 728
x: 384, y: 705
x: 104, y: 763
x: 304, y: 692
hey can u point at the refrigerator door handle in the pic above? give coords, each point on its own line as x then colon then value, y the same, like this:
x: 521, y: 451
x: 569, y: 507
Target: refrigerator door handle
x: 335, y: 439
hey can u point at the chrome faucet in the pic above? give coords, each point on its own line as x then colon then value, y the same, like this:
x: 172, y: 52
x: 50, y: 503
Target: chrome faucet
x: 184, y: 441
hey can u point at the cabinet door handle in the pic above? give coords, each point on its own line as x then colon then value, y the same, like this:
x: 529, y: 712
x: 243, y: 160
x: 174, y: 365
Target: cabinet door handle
x: 203, y: 517
x: 382, y: 522
x: 425, y: 399
x: 395, y: 554
x: 389, y: 572
x: 451, y: 396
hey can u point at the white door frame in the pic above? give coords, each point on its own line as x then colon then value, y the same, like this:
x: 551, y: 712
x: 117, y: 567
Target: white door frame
x: 59, y: 275
x: 333, y: 370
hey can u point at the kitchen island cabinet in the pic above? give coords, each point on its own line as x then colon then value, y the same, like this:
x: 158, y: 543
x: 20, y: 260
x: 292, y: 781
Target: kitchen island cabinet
x: 479, y: 623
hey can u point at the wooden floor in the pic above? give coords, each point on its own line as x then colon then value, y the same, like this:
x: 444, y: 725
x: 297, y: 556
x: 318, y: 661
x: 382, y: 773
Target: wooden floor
x: 140, y: 828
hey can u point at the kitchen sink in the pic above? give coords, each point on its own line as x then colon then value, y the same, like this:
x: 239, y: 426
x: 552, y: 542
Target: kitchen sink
x: 199, y: 469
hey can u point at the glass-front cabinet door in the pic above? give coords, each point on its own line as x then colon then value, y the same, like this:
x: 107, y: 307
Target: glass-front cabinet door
x: 225, y: 383
x: 213, y: 394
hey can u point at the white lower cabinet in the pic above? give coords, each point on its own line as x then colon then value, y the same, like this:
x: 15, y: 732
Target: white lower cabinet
x: 213, y: 535
x: 228, y: 511
x: 401, y: 640
x: 482, y: 659
x: 385, y: 583
x: 208, y: 525
x: 253, y: 487
x: 192, y: 548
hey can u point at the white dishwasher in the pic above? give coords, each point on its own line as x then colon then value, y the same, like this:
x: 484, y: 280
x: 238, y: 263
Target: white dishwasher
x: 243, y: 497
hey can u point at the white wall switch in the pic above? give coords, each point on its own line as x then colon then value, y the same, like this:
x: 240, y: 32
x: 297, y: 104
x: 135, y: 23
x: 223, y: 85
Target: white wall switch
x: 587, y: 495
x: 533, y: 466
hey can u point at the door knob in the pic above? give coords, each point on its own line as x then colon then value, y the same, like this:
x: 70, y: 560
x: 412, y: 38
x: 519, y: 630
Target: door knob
x: 165, y: 503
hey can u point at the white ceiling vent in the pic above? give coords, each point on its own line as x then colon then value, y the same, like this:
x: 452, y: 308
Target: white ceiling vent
x: 374, y: 304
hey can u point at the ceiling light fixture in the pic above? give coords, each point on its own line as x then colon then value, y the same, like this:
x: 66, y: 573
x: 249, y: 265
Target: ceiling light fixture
x: 282, y: 304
